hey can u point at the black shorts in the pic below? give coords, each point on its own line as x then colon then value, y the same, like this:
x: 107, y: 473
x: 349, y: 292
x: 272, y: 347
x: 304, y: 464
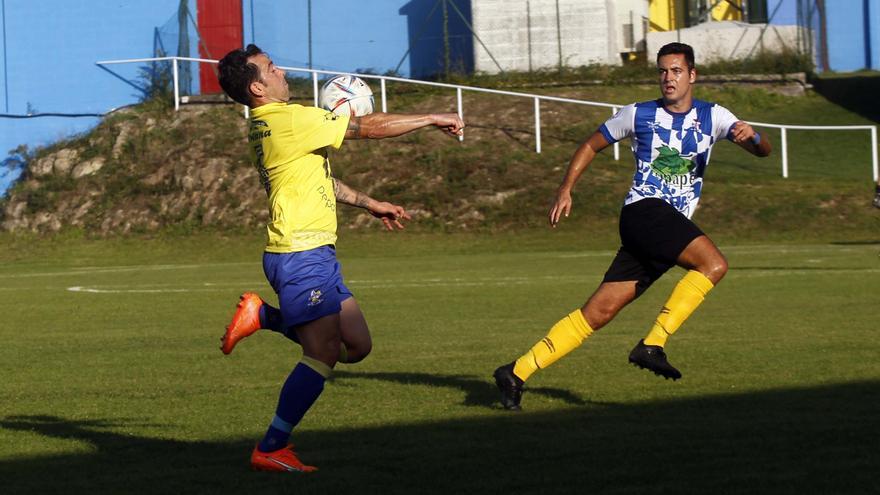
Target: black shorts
x: 653, y: 234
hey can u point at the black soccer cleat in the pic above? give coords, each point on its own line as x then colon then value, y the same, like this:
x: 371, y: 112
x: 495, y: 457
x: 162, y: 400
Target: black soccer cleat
x: 652, y: 358
x: 510, y: 385
x: 876, y: 202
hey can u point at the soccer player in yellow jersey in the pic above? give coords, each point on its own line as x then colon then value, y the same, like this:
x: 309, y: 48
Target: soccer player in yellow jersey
x: 289, y: 146
x: 672, y: 139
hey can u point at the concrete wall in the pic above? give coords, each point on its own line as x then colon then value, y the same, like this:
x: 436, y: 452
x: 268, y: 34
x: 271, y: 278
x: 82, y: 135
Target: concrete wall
x: 523, y: 35
x: 725, y: 40
x: 626, y: 12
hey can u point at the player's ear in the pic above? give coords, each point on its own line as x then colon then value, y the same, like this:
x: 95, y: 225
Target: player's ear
x: 693, y: 75
x: 257, y: 89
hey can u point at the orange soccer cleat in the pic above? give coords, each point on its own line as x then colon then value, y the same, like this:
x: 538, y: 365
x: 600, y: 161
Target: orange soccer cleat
x: 283, y: 460
x: 245, y: 321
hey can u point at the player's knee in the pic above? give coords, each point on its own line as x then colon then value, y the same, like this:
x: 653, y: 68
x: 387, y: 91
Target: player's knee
x: 358, y: 352
x: 326, y: 351
x: 599, y: 313
x: 716, y: 270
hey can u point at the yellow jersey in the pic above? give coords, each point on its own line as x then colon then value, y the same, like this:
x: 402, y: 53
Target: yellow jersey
x: 289, y: 145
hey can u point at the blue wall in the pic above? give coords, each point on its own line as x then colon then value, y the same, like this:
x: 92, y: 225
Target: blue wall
x: 853, y: 34
x: 50, y: 54
x: 52, y: 47
x: 786, y: 12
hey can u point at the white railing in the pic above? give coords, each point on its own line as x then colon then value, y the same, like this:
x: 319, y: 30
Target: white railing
x: 537, y: 102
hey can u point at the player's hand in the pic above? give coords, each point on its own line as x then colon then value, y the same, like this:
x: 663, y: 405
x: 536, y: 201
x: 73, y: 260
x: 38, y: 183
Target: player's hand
x: 390, y: 214
x: 561, y: 207
x: 451, y: 123
x: 742, y: 132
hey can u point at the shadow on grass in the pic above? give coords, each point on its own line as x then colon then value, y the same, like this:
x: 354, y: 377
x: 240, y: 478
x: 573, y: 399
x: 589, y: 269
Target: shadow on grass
x: 818, y: 440
x: 859, y: 93
x: 477, y: 392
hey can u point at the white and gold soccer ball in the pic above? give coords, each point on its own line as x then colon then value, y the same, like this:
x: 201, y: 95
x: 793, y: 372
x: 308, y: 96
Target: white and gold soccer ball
x: 346, y: 95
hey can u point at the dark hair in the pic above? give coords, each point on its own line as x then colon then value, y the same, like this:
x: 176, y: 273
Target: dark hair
x: 678, y: 49
x: 236, y: 74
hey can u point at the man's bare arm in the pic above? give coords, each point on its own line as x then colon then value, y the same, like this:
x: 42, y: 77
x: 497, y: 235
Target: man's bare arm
x: 745, y: 137
x: 582, y: 158
x: 349, y: 196
x: 383, y: 125
x: 390, y: 214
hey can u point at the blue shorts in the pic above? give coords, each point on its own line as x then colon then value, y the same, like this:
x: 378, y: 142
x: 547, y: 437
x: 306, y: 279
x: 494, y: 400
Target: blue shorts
x: 308, y: 283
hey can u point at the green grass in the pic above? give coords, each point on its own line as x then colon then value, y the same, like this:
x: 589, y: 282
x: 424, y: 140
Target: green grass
x: 126, y: 391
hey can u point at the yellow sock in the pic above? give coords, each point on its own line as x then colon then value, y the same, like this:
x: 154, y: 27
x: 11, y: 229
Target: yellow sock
x: 685, y: 298
x: 565, y: 336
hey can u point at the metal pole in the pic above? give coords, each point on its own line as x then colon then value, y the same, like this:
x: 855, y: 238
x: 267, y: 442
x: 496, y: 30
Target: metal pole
x: 253, y: 29
x: 176, y: 89
x: 529, y: 32
x: 384, y: 102
x: 537, y: 125
x: 460, y: 109
x: 784, y: 154
x: 558, y: 36
x: 315, y: 87
x: 5, y: 72
x: 247, y: 112
x: 874, y: 152
x: 616, y: 143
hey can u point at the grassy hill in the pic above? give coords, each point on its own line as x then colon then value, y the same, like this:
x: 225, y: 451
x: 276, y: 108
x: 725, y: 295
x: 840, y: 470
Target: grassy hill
x: 150, y: 170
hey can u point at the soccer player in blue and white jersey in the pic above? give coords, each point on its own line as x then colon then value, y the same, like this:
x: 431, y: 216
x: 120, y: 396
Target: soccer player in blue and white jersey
x: 672, y: 139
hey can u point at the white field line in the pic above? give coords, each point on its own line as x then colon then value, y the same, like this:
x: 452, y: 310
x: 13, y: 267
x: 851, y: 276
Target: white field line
x: 755, y: 249
x: 759, y: 249
x: 121, y: 269
x: 456, y: 282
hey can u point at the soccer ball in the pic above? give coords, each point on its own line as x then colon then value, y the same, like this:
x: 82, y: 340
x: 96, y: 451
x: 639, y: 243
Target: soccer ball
x: 347, y: 95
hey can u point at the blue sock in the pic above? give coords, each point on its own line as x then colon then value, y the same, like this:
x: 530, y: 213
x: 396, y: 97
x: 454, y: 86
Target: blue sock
x: 271, y: 318
x: 299, y: 392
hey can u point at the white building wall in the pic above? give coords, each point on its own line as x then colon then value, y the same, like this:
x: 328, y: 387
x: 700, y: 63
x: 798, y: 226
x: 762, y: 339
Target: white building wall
x: 522, y: 35
x: 626, y: 12
x: 726, y: 40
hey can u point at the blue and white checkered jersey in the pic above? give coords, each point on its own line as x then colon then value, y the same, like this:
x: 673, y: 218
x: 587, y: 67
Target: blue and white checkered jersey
x: 671, y: 149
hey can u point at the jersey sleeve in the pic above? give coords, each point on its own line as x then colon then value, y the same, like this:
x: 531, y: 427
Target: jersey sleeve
x: 322, y: 128
x: 723, y: 122
x: 620, y: 126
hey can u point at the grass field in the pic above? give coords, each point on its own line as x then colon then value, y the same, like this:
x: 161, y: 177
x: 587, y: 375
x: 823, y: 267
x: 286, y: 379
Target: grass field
x: 113, y: 381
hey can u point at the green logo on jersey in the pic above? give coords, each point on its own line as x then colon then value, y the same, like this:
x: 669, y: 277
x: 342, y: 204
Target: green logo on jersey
x: 670, y: 163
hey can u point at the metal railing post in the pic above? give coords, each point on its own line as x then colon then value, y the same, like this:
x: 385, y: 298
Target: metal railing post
x: 460, y: 109
x: 616, y: 143
x: 384, y: 101
x: 874, y: 153
x: 247, y: 112
x: 784, y: 153
x: 537, y: 125
x: 315, y: 87
x: 176, y: 88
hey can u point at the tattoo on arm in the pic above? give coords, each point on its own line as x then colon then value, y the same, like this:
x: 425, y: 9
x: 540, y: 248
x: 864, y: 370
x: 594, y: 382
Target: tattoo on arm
x: 361, y: 200
x: 354, y: 128
x: 349, y: 196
